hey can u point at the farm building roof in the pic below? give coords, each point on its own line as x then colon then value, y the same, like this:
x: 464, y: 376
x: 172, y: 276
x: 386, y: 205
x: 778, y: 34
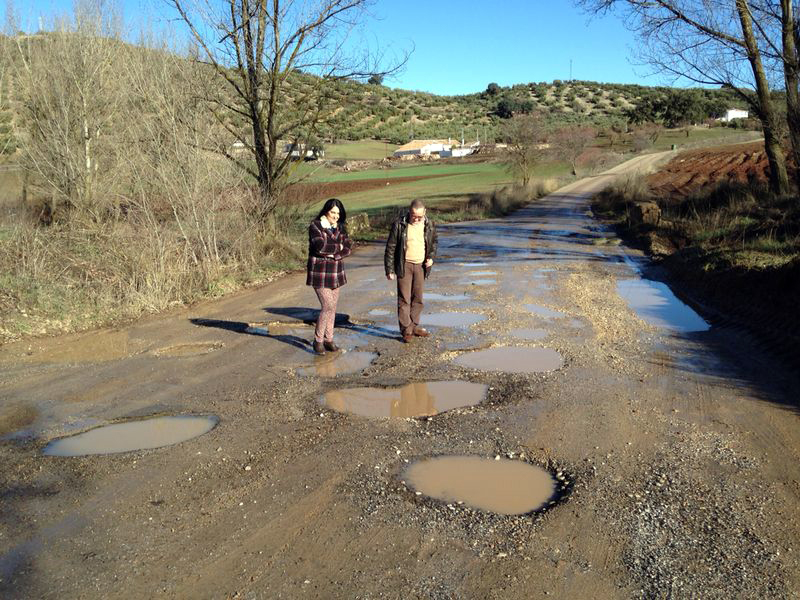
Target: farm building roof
x: 417, y: 144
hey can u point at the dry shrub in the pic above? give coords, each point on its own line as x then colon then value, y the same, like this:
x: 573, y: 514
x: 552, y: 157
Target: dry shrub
x: 504, y: 200
x: 623, y: 192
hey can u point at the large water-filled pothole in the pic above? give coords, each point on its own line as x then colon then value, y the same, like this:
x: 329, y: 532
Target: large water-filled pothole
x: 133, y: 435
x: 508, y: 487
x: 510, y: 359
x: 421, y: 399
x: 655, y: 303
x: 451, y: 319
x: 332, y: 364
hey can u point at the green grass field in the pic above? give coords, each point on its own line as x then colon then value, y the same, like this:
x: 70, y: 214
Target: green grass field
x: 461, y: 181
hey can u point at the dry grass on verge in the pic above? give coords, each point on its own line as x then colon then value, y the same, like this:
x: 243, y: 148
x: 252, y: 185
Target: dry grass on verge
x: 68, y: 277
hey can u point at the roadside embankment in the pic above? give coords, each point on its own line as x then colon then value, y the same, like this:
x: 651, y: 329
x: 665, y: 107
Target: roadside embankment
x: 729, y: 245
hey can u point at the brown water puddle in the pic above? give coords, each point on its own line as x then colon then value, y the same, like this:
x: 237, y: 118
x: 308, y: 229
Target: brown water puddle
x: 421, y: 399
x: 133, y: 435
x: 529, y: 334
x: 332, y: 364
x: 451, y: 319
x: 512, y: 360
x: 182, y: 350
x: 508, y: 487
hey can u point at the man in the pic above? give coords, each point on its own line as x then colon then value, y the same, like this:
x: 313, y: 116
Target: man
x: 408, y: 258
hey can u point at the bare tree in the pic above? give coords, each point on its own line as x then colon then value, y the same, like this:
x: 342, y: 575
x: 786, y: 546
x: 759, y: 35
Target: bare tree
x: 711, y: 42
x: 569, y: 143
x: 526, y: 137
x: 277, y: 59
x: 69, y: 104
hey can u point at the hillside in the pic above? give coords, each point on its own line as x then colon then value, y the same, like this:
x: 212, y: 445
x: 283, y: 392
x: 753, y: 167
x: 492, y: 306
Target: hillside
x: 379, y: 112
x: 372, y: 111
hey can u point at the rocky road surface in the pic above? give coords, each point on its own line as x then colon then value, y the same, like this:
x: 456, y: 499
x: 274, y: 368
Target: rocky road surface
x: 679, y: 451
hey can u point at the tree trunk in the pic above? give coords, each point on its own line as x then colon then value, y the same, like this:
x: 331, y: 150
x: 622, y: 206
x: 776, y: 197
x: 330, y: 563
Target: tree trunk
x: 778, y: 179
x: 790, y: 73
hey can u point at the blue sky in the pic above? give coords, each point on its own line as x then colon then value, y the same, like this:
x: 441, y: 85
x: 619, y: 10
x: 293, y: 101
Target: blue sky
x: 462, y: 46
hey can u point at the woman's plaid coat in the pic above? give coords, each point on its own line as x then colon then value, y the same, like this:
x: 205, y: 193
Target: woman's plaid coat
x: 326, y: 249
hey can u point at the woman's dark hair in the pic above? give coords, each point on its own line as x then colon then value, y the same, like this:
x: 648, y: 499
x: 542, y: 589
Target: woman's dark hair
x: 329, y: 204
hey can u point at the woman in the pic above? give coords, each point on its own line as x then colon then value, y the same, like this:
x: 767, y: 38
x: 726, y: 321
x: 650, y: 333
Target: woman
x: 328, y: 244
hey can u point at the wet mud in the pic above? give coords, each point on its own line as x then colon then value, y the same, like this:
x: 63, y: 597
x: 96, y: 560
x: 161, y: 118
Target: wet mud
x: 184, y: 350
x: 511, y: 359
x: 451, y: 319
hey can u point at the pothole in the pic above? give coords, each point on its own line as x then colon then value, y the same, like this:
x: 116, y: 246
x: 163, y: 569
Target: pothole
x: 444, y: 297
x: 332, y: 364
x: 133, y: 435
x: 478, y: 282
x: 529, y: 334
x: 504, y: 486
x: 543, y: 311
x: 421, y: 399
x: 379, y: 312
x: 655, y: 304
x: 195, y: 349
x: 451, y: 319
x: 510, y: 359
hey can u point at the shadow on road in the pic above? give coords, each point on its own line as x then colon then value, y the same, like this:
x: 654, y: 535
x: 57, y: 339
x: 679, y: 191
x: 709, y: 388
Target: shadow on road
x: 309, y: 317
x: 241, y: 327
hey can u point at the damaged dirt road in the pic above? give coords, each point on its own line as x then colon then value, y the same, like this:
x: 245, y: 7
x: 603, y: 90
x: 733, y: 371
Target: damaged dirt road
x: 676, y: 449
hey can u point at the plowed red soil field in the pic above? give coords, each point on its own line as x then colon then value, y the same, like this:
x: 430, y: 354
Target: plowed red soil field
x: 319, y: 191
x: 695, y: 169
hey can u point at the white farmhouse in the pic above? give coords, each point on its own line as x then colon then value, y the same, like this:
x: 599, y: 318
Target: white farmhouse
x: 734, y: 113
x: 422, y: 148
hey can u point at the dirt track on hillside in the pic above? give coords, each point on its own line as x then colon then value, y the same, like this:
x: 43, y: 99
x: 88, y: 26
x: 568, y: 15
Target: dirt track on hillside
x: 682, y: 451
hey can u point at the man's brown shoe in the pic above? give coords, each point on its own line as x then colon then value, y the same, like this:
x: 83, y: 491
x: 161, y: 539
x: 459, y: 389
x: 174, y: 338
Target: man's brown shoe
x: 330, y: 346
x: 319, y: 348
x: 420, y: 332
x: 407, y: 338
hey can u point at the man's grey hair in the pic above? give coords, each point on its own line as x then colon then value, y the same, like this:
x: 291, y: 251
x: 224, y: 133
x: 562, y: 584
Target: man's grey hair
x: 417, y: 203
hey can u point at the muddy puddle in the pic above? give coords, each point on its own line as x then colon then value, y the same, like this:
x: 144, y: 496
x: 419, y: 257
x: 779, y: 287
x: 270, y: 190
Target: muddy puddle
x: 421, y: 399
x: 510, y: 359
x: 508, y: 487
x: 655, y: 304
x: 483, y: 273
x: 451, y: 319
x: 133, y: 435
x: 445, y: 297
x: 472, y: 264
x: 182, y: 350
x: 332, y: 364
x: 543, y: 311
x: 529, y: 334
x: 379, y: 312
